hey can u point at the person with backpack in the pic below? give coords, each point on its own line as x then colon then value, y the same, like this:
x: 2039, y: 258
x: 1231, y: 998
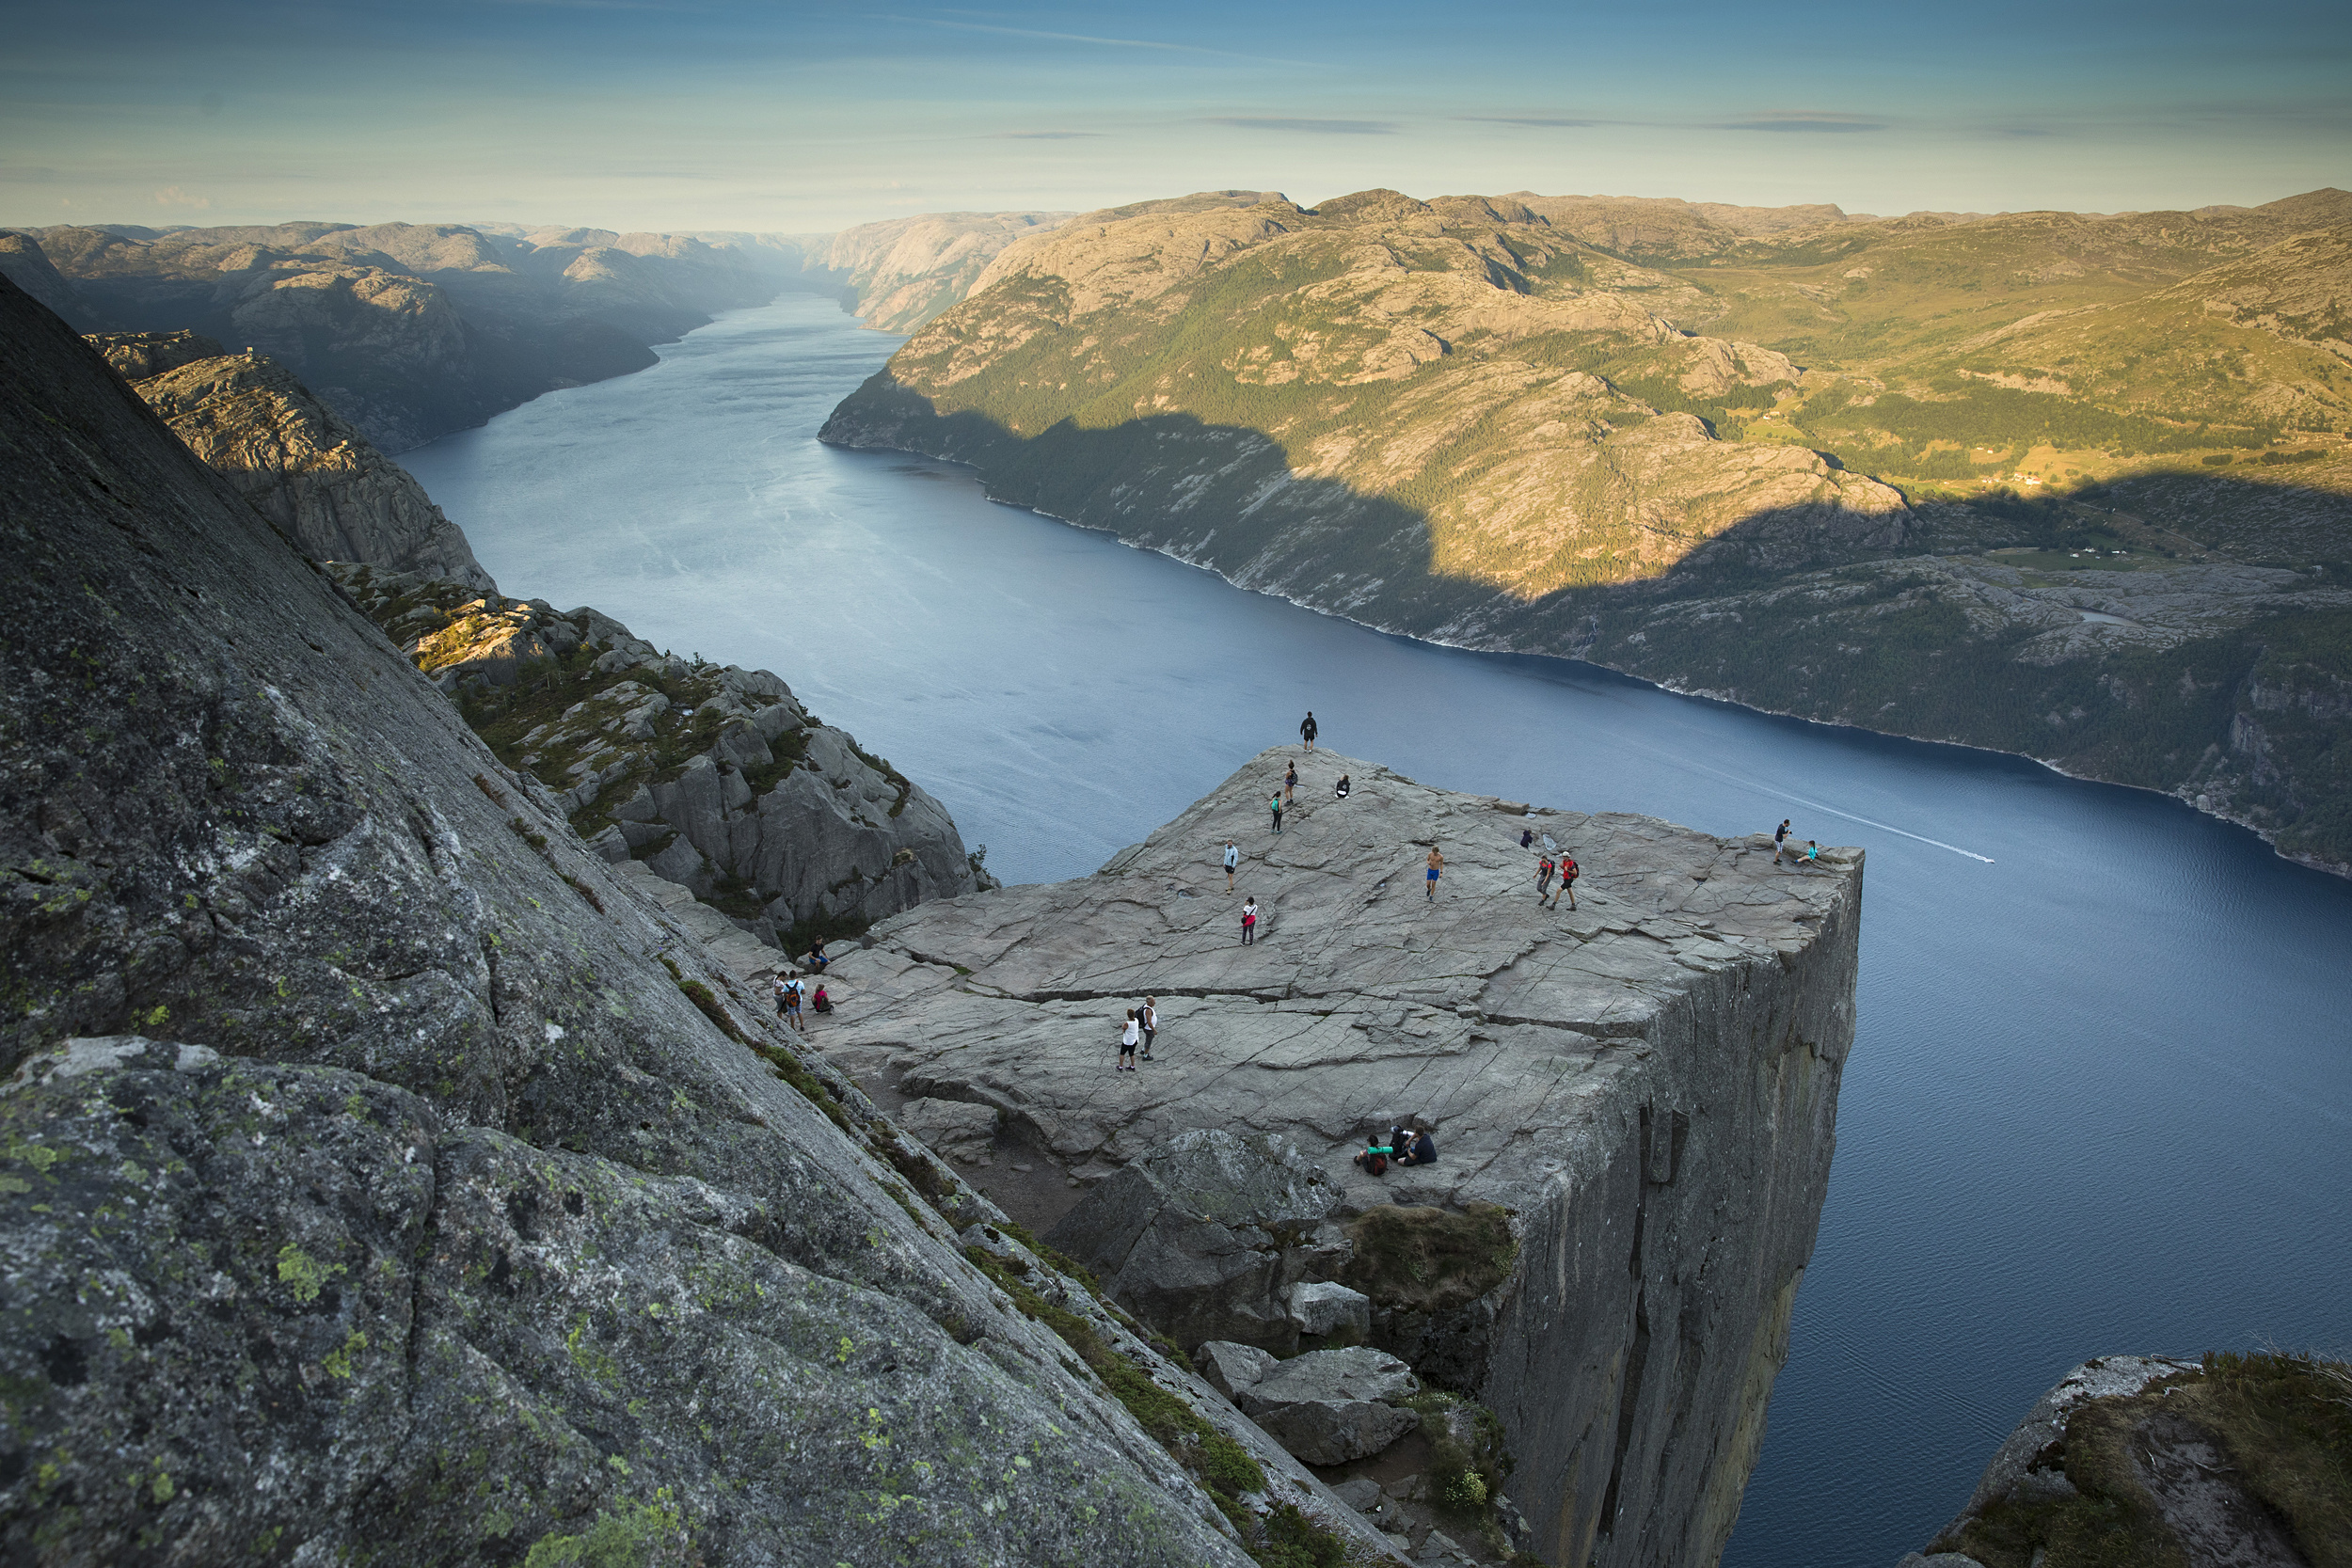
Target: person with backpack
x: 1376, y: 1155
x: 1277, y: 804
x: 1339, y: 791
x: 1568, y: 880
x: 1232, y: 861
x: 1308, y: 729
x: 1148, y: 1020
x: 1544, y: 868
x: 781, y: 994
x: 823, y: 1003
x: 1289, y: 784
x: 1127, y: 1038
x: 791, y: 989
x: 1527, y: 836
x: 1249, y: 923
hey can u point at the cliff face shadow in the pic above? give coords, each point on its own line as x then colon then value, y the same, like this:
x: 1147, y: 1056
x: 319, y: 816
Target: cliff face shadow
x: 1898, y: 622
x: 1225, y: 497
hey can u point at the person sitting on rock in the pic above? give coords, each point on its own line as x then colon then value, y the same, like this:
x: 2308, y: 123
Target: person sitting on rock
x: 817, y: 959
x: 1419, y: 1150
x: 823, y: 1003
x: 1374, y: 1158
x: 1339, y: 791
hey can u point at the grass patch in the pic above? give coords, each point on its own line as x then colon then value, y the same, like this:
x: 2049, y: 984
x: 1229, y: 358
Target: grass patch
x: 1469, y: 1461
x: 1430, y: 1259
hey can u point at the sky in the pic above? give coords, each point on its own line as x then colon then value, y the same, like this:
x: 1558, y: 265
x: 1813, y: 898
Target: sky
x: 809, y: 117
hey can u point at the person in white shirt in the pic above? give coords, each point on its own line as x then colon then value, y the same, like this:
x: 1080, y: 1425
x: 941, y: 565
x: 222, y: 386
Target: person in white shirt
x: 1127, y: 1038
x: 1249, y: 923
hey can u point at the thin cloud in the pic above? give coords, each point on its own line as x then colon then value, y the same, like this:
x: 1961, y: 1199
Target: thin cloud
x: 1321, y: 127
x: 1100, y: 41
x: 1044, y: 135
x: 1801, y: 122
x: 172, y: 196
x: 1532, y: 120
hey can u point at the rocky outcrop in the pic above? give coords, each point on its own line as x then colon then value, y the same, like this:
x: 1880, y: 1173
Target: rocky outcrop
x: 1327, y: 1407
x: 383, y: 1177
x: 2234, y: 1461
x: 1633, y: 1101
x: 715, y: 776
x: 1206, y: 1235
x: 304, y: 466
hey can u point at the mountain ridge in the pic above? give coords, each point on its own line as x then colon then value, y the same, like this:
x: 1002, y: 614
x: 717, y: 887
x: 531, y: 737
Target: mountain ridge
x: 1447, y: 419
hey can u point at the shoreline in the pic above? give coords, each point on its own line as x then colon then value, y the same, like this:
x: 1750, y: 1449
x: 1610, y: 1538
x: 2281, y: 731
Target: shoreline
x: 2267, y: 838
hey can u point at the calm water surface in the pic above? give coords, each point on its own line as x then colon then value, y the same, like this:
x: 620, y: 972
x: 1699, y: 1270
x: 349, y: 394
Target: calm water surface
x: 2101, y: 1096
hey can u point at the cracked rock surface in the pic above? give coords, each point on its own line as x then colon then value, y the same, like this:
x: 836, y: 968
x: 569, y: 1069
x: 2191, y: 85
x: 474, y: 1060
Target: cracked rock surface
x: 1647, y: 1084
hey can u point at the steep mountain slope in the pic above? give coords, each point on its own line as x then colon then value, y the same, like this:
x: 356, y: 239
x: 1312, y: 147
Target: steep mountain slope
x: 902, y: 273
x: 1455, y: 420
x: 306, y: 468
x: 451, y: 1206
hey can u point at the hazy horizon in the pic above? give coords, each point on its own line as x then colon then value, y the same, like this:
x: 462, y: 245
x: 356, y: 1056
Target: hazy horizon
x: 728, y: 116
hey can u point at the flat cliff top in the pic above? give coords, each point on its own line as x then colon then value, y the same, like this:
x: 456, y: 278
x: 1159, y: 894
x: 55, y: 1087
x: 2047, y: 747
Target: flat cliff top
x: 1359, y: 1003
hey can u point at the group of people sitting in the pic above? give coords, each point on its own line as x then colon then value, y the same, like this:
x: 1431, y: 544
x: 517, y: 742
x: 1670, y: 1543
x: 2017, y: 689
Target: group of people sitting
x: 1402, y: 1145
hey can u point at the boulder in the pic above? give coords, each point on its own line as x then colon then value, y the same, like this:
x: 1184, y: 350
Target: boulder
x: 952, y: 1128
x: 1201, y: 1236
x: 1329, y: 1406
x: 1231, y: 1368
x: 1323, y: 1307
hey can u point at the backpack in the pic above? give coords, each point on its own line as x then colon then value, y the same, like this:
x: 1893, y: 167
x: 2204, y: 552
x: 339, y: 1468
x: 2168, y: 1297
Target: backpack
x: 1376, y: 1164
x: 1568, y: 870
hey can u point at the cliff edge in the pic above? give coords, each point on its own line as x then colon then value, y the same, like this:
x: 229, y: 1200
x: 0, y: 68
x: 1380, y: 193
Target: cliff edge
x: 381, y: 1175
x: 1634, y: 1102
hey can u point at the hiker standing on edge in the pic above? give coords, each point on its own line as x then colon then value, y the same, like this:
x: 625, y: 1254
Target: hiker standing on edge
x: 1249, y: 923
x: 1289, y: 782
x: 1307, y: 730
x: 1233, y: 858
x: 1277, y: 804
x: 1436, y: 863
x: 1780, y: 840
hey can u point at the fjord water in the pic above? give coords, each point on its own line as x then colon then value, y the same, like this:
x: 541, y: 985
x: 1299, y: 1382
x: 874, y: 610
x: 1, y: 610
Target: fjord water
x: 2101, y: 1100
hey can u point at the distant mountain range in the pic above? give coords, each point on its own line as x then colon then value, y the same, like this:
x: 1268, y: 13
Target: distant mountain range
x: 2070, y: 485
x: 413, y: 330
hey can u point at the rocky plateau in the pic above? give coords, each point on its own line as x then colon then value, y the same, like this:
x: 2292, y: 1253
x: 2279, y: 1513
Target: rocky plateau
x: 1634, y: 1102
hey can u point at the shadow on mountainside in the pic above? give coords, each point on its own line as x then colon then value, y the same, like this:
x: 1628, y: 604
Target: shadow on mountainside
x: 2229, y: 684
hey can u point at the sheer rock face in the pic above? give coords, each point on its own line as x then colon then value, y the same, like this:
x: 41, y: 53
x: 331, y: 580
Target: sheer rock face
x: 309, y: 471
x: 1647, y: 1084
x: 444, y: 1220
x: 715, y: 776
